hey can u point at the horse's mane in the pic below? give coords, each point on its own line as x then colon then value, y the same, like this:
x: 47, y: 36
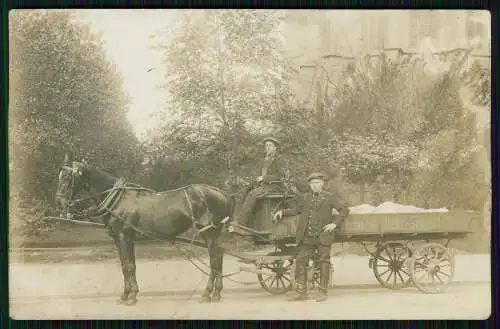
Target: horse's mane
x: 211, y: 187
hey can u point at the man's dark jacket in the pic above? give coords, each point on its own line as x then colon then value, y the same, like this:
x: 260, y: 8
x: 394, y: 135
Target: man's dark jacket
x: 327, y: 202
x: 276, y: 170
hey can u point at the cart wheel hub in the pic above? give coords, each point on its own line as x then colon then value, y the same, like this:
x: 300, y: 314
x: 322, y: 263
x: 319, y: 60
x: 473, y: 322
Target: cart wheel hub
x: 396, y: 266
x: 433, y: 264
x: 435, y: 269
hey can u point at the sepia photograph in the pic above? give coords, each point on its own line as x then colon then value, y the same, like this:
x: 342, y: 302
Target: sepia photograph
x: 249, y: 164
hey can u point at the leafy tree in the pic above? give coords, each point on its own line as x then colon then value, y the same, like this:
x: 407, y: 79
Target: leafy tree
x: 479, y: 79
x: 388, y: 122
x: 394, y: 123
x: 225, y: 71
x: 64, y: 95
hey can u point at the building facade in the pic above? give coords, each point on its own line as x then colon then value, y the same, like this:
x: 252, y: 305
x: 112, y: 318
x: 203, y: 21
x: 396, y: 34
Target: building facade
x: 320, y: 43
x: 313, y: 34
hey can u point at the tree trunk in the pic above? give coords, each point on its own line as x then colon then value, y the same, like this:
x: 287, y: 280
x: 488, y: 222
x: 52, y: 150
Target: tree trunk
x: 362, y: 192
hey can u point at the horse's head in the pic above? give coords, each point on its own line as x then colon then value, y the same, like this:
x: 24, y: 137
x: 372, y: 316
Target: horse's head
x: 72, y: 179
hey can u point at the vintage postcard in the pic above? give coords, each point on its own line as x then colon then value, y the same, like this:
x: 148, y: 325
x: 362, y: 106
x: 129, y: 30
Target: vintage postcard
x: 249, y: 164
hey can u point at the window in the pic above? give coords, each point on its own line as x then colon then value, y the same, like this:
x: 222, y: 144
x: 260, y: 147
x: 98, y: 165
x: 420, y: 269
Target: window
x: 475, y: 26
x: 422, y: 24
x: 381, y: 26
x: 330, y: 39
x: 374, y: 32
x: 478, y: 31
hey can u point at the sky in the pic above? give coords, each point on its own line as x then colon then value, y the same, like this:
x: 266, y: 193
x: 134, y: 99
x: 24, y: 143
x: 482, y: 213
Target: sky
x: 127, y: 42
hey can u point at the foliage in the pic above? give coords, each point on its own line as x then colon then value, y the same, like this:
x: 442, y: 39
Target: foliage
x: 64, y: 95
x: 366, y: 158
x: 33, y: 223
x: 479, y: 79
x: 387, y: 122
x: 224, y: 73
x: 400, y: 135
x: 390, y: 122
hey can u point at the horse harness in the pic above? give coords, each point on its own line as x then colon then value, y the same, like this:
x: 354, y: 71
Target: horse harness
x: 115, y: 194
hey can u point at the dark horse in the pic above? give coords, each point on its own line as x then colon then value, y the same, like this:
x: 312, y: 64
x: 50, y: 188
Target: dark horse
x: 127, y: 209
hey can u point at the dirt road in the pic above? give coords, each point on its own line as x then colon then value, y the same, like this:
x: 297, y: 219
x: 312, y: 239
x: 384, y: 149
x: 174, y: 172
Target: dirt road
x: 171, y: 289
x: 460, y: 302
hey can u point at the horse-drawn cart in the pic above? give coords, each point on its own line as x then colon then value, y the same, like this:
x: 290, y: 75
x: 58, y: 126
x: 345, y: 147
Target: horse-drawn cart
x: 409, y: 248
x: 404, y: 248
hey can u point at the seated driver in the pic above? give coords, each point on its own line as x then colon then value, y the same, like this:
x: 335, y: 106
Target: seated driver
x: 271, y: 180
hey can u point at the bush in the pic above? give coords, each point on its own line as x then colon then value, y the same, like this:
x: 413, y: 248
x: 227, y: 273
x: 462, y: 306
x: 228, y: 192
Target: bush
x: 27, y: 220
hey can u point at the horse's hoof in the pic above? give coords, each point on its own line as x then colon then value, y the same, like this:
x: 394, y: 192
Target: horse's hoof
x: 131, y: 302
x: 216, y: 298
x: 121, y: 300
x: 205, y: 299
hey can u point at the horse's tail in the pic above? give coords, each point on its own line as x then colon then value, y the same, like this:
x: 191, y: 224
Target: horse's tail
x: 232, y: 203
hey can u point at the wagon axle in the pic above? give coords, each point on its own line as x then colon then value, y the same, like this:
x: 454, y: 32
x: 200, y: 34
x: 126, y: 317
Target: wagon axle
x: 434, y: 270
x: 396, y: 266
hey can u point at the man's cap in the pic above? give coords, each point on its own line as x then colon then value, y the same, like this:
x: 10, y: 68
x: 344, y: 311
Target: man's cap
x: 271, y: 139
x: 316, y: 175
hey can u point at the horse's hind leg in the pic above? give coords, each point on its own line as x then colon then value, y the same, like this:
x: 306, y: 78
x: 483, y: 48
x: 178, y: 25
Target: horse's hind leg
x: 219, y: 259
x: 206, y: 297
x: 216, y: 253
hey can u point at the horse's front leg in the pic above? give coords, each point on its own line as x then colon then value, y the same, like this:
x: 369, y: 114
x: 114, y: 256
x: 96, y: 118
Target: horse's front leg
x: 133, y: 287
x: 122, y: 252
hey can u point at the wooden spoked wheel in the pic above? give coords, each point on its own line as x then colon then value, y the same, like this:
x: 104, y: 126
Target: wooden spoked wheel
x: 276, y: 277
x: 390, y: 265
x: 432, y: 268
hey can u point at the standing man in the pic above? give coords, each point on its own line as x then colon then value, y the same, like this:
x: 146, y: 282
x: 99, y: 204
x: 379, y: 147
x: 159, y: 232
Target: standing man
x: 271, y: 178
x: 315, y: 232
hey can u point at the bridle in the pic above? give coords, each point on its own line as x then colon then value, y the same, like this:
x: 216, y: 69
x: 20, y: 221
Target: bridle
x: 75, y: 173
x: 69, y: 195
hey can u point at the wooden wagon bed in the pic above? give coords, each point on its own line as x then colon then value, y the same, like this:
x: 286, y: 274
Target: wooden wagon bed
x: 393, y: 226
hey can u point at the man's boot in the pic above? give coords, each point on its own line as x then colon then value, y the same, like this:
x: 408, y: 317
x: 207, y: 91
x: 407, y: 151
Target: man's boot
x: 323, y: 282
x: 239, y: 220
x: 301, y: 289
